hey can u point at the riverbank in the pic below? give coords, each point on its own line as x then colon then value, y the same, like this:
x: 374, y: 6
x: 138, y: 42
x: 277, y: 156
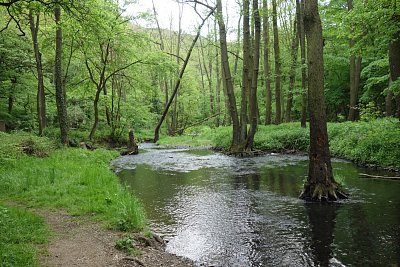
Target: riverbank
x: 374, y: 144
x: 44, y: 187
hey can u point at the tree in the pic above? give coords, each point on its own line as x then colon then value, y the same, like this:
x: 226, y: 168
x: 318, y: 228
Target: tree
x: 179, y: 79
x: 302, y: 39
x: 58, y: 79
x: 278, y: 71
x: 355, y: 72
x: 267, y: 71
x: 320, y: 184
x: 41, y: 100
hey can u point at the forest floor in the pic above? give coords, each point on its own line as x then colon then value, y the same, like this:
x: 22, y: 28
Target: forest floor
x: 78, y: 241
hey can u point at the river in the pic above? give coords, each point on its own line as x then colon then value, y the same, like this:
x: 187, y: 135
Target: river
x: 225, y: 211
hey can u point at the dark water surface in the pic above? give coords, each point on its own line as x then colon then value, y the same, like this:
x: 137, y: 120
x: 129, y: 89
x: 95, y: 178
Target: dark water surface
x: 226, y: 211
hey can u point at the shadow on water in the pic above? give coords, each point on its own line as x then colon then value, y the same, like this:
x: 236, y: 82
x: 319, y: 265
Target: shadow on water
x: 224, y: 211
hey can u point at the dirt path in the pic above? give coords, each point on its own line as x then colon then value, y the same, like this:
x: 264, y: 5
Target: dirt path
x: 77, y: 241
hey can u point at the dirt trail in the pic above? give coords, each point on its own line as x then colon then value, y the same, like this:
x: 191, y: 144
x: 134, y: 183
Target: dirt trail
x: 77, y: 241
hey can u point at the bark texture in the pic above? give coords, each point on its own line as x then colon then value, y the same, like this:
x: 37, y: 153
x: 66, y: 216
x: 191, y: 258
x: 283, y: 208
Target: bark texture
x: 320, y: 183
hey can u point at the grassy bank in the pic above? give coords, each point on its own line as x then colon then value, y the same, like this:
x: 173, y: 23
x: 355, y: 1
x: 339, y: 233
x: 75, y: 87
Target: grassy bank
x: 375, y: 142
x: 35, y: 173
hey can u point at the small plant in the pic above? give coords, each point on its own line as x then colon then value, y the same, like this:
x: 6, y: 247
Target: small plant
x: 127, y: 243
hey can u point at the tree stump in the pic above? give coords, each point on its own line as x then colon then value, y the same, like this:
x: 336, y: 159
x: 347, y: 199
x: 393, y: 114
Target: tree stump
x: 2, y: 126
x: 132, y: 146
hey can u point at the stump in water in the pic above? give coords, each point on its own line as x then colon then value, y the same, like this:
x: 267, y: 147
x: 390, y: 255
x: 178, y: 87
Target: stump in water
x: 132, y: 146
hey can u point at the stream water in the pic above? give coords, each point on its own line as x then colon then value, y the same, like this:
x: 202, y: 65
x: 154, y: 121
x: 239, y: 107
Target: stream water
x: 225, y: 211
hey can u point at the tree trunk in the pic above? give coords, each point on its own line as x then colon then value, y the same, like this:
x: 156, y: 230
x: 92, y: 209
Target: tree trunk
x: 302, y: 38
x: 355, y: 73
x: 178, y: 82
x: 292, y: 75
x: 256, y: 62
x: 41, y: 101
x: 60, y: 94
x: 320, y: 183
x: 246, y: 70
x: 228, y: 78
x: 388, y: 101
x: 278, y: 72
x: 267, y: 77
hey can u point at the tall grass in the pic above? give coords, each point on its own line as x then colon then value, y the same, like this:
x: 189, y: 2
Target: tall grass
x: 75, y: 180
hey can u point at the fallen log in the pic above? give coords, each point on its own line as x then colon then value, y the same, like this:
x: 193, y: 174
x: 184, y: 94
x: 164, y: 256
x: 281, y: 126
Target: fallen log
x: 379, y: 176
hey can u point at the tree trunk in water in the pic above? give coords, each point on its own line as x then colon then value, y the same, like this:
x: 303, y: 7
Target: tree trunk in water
x: 292, y: 75
x: 41, y: 101
x: 278, y: 72
x: 256, y: 62
x: 320, y: 183
x: 60, y: 94
x: 302, y: 38
x: 178, y: 82
x: 267, y: 69
x: 228, y: 78
x: 394, y: 62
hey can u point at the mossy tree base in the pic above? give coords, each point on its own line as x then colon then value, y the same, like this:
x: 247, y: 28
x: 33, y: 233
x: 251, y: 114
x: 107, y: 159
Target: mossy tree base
x: 319, y: 192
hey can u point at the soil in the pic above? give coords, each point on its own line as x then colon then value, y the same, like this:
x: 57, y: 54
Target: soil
x: 78, y: 241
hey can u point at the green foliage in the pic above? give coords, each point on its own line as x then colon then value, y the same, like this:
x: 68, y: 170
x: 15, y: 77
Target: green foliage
x: 73, y: 179
x: 126, y: 243
x: 369, y: 112
x: 21, y: 232
x: 372, y: 142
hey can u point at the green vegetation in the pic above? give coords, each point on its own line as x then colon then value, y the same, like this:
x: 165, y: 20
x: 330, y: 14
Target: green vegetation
x: 127, y: 243
x: 21, y: 232
x: 370, y: 142
x: 75, y: 180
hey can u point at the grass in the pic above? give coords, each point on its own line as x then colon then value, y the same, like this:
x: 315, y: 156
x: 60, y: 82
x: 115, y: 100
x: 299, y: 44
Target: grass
x: 33, y: 172
x: 374, y: 142
x: 21, y: 234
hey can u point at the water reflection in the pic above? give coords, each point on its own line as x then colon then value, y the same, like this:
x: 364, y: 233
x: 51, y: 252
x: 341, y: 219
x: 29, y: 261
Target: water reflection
x: 322, y: 219
x: 222, y: 211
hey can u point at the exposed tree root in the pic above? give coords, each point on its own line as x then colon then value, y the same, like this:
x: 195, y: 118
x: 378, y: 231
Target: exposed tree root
x: 320, y: 192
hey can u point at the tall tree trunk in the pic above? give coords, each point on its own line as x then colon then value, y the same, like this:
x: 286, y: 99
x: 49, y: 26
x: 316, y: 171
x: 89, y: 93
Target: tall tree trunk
x: 178, y: 82
x: 246, y: 70
x: 256, y: 62
x: 355, y: 73
x: 292, y: 75
x: 278, y: 71
x: 41, y: 100
x: 394, y: 62
x: 388, y: 101
x: 302, y: 38
x: 60, y: 94
x: 218, y: 78
x: 228, y: 78
x: 320, y: 183
x: 267, y: 69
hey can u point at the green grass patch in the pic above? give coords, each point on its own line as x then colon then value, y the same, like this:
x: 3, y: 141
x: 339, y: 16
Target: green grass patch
x: 21, y: 233
x: 75, y: 180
